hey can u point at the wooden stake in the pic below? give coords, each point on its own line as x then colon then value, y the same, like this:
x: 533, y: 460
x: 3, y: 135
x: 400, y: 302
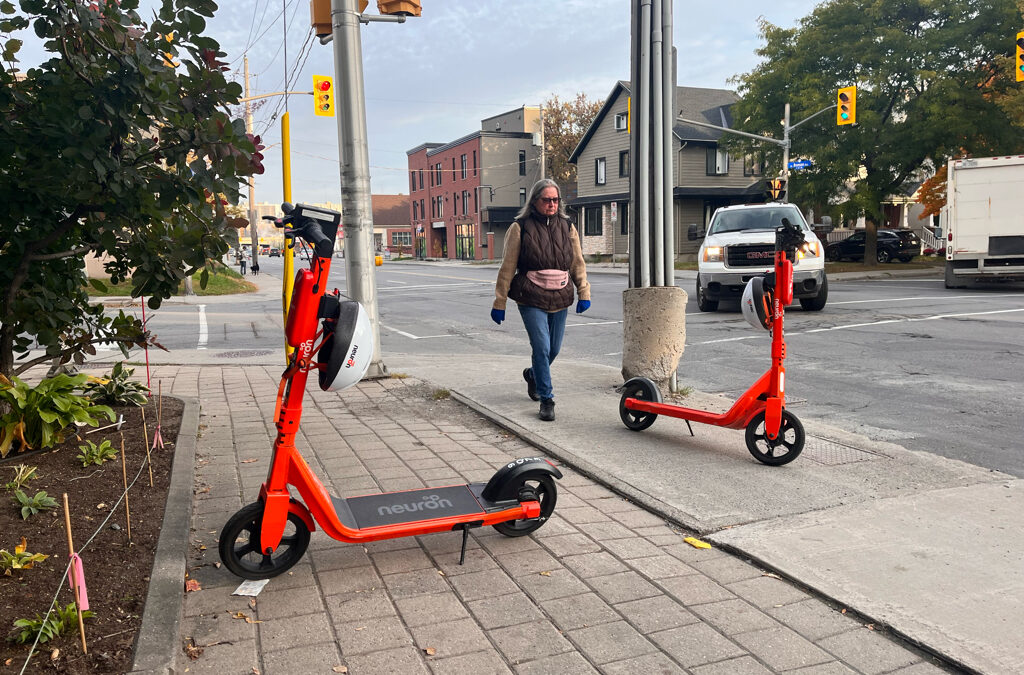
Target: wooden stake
x: 160, y: 404
x: 71, y: 552
x: 124, y: 473
x: 145, y: 442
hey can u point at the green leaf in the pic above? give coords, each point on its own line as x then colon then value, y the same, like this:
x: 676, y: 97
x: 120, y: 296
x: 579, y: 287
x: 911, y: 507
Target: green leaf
x: 98, y: 285
x: 85, y: 113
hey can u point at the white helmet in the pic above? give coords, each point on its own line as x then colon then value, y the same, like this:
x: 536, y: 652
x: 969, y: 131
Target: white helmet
x: 756, y: 304
x: 346, y: 355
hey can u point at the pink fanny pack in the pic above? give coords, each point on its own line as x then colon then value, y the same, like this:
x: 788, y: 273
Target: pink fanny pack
x: 549, y: 280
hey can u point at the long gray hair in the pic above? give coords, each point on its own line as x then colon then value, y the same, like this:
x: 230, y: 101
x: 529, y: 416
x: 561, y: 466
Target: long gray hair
x: 535, y: 193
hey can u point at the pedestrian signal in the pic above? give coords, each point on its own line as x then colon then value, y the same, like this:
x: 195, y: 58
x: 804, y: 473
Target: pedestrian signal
x: 1019, y: 61
x: 846, y: 106
x: 323, y: 96
x: 776, y: 187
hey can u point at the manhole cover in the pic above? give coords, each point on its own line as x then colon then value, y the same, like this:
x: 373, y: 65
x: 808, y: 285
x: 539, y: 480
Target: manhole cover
x: 828, y: 452
x: 243, y: 353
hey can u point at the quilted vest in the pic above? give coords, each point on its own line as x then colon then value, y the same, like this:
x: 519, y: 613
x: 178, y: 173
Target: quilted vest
x: 542, y: 247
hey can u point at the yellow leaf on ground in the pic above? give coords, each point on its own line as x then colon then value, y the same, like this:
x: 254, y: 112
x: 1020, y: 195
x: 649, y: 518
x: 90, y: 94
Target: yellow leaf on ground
x: 192, y: 585
x: 429, y: 651
x: 340, y: 669
x: 545, y: 574
x: 697, y: 543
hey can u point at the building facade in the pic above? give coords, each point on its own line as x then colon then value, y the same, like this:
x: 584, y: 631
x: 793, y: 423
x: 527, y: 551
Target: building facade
x: 463, y: 195
x: 705, y: 176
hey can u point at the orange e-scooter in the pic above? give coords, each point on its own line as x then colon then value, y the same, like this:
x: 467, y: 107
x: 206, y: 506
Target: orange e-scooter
x: 774, y: 435
x: 269, y: 536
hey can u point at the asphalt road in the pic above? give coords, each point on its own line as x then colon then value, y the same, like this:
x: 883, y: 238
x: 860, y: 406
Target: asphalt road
x: 906, y: 361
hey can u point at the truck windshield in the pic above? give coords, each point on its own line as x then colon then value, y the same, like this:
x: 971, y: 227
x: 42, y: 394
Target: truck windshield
x: 754, y: 219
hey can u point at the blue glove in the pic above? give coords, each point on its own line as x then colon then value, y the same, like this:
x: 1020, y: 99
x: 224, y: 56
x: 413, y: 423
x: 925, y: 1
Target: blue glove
x: 497, y: 316
x: 582, y: 306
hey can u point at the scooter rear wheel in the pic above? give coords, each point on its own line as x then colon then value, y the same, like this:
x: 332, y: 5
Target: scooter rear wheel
x: 240, y: 549
x: 547, y: 495
x: 784, y: 449
x: 643, y: 389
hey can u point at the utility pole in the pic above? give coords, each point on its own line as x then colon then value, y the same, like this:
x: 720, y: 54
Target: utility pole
x: 355, y: 169
x: 254, y: 232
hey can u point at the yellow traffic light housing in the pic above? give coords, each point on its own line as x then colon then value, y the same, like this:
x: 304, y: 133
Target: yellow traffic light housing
x: 406, y: 7
x: 846, y: 102
x: 323, y: 96
x: 1019, y: 60
x: 776, y: 187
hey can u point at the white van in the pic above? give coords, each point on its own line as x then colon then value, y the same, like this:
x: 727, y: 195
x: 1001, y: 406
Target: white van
x: 740, y: 244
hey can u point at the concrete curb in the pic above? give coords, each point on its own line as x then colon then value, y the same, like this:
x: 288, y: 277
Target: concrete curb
x: 157, y: 641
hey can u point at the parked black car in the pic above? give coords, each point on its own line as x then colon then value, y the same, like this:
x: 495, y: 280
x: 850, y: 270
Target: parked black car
x: 900, y: 245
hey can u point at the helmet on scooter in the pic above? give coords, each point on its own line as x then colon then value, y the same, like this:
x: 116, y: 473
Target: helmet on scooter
x: 756, y: 304
x: 345, y: 356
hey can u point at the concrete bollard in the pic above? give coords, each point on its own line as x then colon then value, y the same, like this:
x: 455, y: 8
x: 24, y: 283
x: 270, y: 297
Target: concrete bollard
x: 653, y: 332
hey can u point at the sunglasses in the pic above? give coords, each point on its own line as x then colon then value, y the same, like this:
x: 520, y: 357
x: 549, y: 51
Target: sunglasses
x: 551, y: 200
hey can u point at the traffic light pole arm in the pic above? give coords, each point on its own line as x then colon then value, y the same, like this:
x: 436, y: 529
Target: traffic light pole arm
x: 777, y: 141
x: 808, y: 119
x: 367, y: 18
x: 276, y: 93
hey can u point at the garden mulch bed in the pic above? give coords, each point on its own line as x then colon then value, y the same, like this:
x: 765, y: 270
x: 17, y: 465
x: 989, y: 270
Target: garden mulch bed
x: 116, y: 570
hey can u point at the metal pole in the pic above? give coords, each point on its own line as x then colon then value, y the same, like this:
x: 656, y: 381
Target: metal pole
x: 633, y: 227
x: 643, y: 117
x: 785, y: 156
x: 543, y: 148
x: 355, y: 169
x: 254, y: 233
x: 668, y: 117
x: 287, y: 254
x: 657, y: 147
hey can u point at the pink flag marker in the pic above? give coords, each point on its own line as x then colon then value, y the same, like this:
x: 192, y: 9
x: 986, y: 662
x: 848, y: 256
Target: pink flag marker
x: 76, y: 574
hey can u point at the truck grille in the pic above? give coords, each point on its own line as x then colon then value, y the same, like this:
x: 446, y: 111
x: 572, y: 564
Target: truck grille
x: 750, y: 255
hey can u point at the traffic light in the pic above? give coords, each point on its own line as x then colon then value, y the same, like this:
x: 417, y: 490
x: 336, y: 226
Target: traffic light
x: 776, y: 187
x: 846, y: 102
x: 407, y: 7
x: 1019, y: 60
x: 323, y: 96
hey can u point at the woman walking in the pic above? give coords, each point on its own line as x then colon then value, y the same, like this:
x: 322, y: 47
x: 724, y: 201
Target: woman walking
x: 543, y: 263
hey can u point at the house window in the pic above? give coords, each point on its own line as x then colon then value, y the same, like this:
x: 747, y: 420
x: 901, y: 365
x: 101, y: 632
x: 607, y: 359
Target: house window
x: 423, y: 211
x: 522, y: 162
x: 421, y: 179
x: 718, y: 161
x: 455, y: 205
x: 412, y: 181
x: 592, y: 221
x: 401, y: 239
x: 522, y: 196
x: 624, y: 164
x: 474, y: 162
x: 437, y: 172
x: 599, y: 171
x: 440, y: 206
x: 465, y: 201
x: 753, y: 165
x: 415, y: 210
x: 620, y: 121
x: 433, y: 207
x: 464, y: 167
x: 476, y: 207
x: 624, y: 218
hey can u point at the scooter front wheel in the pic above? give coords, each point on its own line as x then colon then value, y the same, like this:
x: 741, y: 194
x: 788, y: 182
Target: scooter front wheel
x: 786, y: 447
x: 642, y: 389
x: 547, y: 495
x: 240, y: 549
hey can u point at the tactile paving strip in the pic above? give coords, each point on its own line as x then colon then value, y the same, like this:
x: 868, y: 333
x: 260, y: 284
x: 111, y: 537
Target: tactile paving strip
x: 825, y: 451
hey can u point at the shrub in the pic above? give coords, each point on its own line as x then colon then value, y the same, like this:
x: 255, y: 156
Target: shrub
x: 30, y: 506
x: 96, y: 454
x: 56, y: 624
x: 118, y: 388
x: 20, y: 559
x: 37, y: 416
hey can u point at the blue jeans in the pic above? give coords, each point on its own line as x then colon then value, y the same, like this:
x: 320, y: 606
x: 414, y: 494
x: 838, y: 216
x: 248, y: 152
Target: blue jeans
x: 546, y: 330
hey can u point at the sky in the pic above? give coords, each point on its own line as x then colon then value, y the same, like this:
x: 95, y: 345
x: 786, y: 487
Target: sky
x: 434, y: 77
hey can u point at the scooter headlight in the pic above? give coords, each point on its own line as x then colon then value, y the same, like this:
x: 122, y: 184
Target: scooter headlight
x: 712, y: 254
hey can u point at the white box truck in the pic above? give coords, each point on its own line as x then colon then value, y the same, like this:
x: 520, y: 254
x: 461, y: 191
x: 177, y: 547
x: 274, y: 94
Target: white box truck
x: 983, y: 220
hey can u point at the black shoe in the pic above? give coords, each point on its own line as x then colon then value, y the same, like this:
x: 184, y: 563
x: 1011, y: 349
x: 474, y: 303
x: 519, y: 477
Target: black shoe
x: 547, y: 410
x: 531, y: 384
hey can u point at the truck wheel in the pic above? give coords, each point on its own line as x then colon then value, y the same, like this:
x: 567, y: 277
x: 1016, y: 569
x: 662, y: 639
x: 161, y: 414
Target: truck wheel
x: 703, y: 304
x: 951, y: 280
x: 883, y: 256
x: 817, y: 303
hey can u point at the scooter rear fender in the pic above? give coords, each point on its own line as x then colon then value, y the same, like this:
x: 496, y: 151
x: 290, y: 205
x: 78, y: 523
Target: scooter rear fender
x: 504, y: 485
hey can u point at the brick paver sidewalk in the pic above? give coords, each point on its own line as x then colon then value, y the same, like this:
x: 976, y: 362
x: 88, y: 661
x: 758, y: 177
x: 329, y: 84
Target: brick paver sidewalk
x: 604, y: 586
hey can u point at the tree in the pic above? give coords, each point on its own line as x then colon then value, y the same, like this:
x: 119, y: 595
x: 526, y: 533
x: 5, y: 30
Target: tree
x: 565, y: 122
x: 109, y: 151
x: 924, y: 72
x: 932, y: 194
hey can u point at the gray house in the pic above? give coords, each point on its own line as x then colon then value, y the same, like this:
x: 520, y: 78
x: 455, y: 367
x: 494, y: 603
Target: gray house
x: 706, y: 177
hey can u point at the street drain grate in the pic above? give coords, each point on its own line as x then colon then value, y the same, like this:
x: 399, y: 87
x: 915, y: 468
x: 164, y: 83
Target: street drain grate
x: 244, y: 353
x: 828, y: 452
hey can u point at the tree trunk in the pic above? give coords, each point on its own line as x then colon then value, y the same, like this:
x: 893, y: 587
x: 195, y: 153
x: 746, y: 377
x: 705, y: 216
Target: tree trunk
x: 870, y: 241
x: 6, y: 350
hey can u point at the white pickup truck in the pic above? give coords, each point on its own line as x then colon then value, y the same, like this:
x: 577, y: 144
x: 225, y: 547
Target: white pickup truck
x: 983, y: 220
x: 740, y: 244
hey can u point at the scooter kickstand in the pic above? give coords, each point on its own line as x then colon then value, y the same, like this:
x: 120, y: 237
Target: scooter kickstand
x: 689, y: 427
x: 465, y: 539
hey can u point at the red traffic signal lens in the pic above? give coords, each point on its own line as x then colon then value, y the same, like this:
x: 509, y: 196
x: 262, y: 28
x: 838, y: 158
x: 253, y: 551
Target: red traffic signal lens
x: 844, y: 97
x: 325, y: 86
